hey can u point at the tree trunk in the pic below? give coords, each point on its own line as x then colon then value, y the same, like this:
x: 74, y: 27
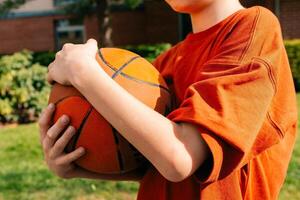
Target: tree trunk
x: 103, y: 14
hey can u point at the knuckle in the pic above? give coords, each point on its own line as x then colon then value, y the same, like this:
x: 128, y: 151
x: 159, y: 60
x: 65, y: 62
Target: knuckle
x: 66, y: 46
x: 49, y: 134
x: 58, y: 55
x: 42, y: 122
x: 58, y: 162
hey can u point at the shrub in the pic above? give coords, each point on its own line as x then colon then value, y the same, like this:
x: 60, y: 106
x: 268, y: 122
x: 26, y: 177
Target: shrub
x: 149, y: 51
x: 43, y: 58
x: 293, y: 51
x: 23, y: 88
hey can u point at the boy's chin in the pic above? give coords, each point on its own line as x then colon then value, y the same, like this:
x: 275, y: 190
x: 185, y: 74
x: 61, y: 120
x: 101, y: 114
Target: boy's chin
x: 185, y: 6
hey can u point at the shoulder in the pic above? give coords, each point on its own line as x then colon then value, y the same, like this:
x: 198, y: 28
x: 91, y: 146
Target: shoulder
x: 267, y: 17
x: 265, y: 39
x: 256, y: 17
x: 266, y: 22
x: 252, y: 32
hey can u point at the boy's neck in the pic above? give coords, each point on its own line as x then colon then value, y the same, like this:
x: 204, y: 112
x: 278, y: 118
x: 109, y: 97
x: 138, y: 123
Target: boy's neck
x: 213, y: 13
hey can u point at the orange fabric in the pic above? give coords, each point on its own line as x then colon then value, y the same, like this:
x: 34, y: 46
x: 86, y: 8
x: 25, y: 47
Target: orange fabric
x: 234, y: 82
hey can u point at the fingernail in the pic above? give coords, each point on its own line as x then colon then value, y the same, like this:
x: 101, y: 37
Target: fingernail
x: 72, y: 129
x: 51, y: 106
x: 81, y: 150
x: 65, y: 119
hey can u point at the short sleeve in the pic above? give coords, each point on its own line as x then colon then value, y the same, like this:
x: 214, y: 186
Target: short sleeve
x: 229, y: 104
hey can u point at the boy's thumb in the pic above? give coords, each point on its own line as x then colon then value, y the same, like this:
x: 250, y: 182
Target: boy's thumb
x: 92, y: 43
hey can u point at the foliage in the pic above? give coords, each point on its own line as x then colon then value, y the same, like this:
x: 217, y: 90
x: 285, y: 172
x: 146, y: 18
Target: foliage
x: 149, y: 51
x: 293, y: 51
x: 23, y: 88
x: 8, y: 5
x: 43, y: 58
x: 133, y: 3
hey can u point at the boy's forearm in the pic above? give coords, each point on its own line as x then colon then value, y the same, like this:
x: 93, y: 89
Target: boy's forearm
x: 160, y: 140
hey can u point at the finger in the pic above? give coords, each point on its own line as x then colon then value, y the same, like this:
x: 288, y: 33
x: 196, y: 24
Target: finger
x: 62, y: 142
x: 50, y: 79
x: 58, y: 54
x: 50, y: 69
x: 54, y: 131
x: 71, y: 157
x: 92, y: 43
x: 45, y: 120
x: 50, y: 66
x: 67, y: 46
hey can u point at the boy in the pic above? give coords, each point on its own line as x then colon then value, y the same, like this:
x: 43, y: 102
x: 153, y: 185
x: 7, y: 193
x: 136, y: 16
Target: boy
x: 231, y: 132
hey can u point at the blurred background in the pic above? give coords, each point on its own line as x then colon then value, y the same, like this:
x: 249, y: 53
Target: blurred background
x: 32, y: 31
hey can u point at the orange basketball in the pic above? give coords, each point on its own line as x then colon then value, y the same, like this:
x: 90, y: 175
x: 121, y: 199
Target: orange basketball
x: 107, y: 152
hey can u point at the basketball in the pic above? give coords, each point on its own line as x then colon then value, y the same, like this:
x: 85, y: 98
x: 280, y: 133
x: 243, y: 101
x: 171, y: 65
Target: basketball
x: 107, y: 152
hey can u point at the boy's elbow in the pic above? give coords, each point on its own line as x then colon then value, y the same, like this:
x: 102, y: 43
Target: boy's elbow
x: 178, y: 170
x: 174, y: 176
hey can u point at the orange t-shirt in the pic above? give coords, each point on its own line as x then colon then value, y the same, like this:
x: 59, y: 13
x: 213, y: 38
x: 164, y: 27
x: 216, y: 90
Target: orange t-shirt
x: 233, y: 81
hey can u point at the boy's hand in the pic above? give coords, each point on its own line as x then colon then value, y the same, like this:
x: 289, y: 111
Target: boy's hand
x: 57, y: 160
x: 72, y: 62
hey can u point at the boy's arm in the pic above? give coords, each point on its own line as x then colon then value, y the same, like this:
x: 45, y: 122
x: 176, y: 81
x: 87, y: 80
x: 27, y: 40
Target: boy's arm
x: 176, y: 150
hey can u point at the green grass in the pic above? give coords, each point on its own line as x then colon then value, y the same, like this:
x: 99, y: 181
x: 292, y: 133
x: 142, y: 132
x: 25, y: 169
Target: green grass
x: 291, y: 187
x: 23, y: 175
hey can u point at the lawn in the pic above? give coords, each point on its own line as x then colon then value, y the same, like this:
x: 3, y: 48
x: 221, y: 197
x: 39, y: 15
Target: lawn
x: 23, y: 175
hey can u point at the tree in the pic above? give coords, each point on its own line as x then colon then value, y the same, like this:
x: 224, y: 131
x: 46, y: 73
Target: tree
x: 7, y: 5
x: 82, y: 8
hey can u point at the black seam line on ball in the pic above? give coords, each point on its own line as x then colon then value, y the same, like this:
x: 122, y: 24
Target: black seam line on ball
x: 120, y: 159
x: 62, y: 99
x: 78, y: 132
x: 105, y: 62
x: 119, y: 71
x: 145, y: 82
x: 131, y: 77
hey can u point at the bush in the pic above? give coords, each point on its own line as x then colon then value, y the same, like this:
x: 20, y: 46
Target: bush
x: 293, y: 51
x: 150, y: 52
x: 23, y: 88
x: 43, y: 58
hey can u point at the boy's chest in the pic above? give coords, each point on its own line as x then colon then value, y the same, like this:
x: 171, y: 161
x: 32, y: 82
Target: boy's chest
x: 185, y: 70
